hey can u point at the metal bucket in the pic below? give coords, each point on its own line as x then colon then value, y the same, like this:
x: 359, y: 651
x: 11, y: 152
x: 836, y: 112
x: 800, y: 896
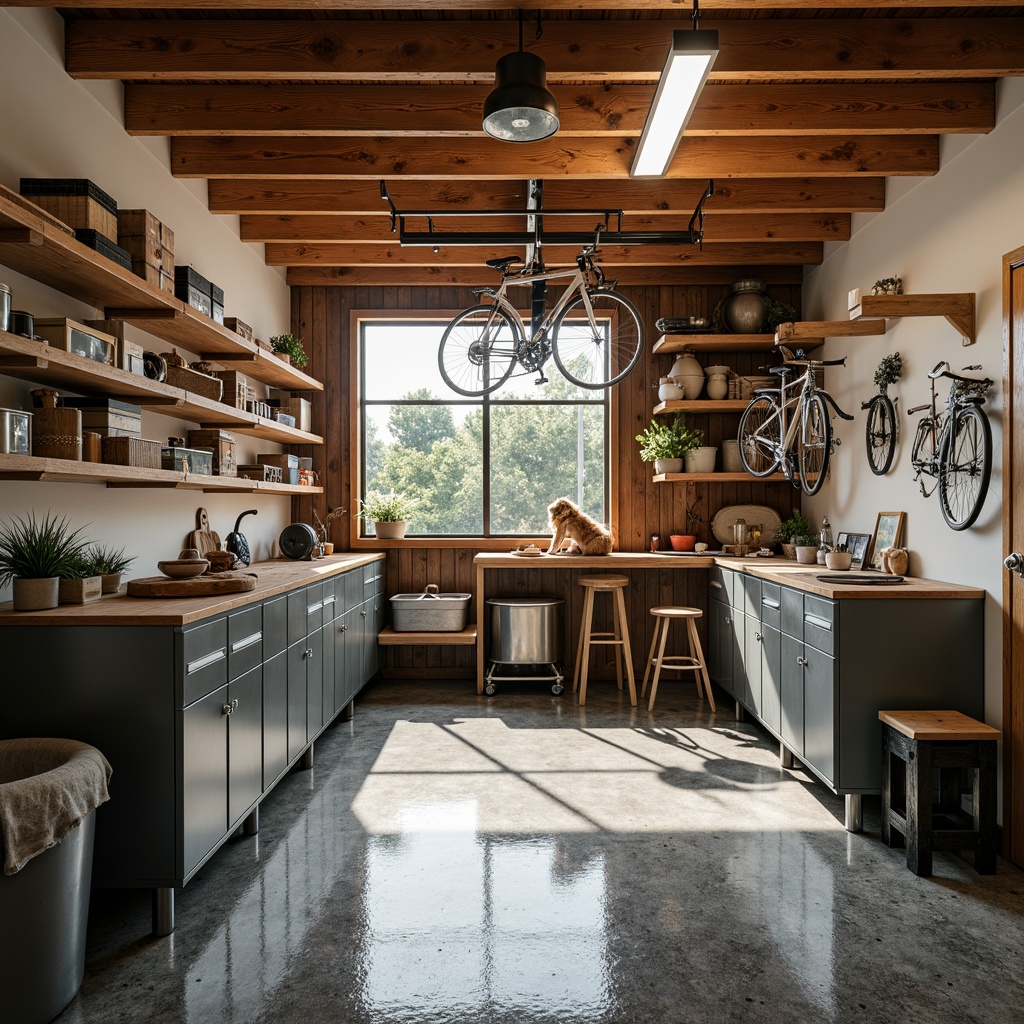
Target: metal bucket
x: 526, y: 630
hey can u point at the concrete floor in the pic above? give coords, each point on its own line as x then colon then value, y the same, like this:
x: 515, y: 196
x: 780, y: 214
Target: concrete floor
x: 515, y: 859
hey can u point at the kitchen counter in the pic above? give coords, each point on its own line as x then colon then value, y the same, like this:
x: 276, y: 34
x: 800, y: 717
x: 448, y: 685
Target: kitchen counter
x: 273, y: 577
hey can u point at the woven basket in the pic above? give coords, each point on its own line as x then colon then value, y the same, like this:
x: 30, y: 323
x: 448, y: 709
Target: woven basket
x: 57, y: 434
x: 131, y: 451
x: 195, y: 382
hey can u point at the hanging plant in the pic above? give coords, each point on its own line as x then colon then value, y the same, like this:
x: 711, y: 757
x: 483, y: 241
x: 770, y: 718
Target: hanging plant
x: 890, y: 369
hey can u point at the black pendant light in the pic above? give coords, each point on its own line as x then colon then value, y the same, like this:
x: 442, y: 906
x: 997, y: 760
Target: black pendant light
x: 520, y: 108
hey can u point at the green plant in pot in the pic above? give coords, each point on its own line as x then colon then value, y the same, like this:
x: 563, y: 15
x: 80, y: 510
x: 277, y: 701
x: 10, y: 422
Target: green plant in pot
x: 806, y: 545
x: 79, y: 580
x: 389, y: 513
x: 776, y: 313
x: 794, y: 526
x: 839, y: 558
x: 291, y: 346
x: 34, y: 555
x: 665, y: 444
x: 110, y: 564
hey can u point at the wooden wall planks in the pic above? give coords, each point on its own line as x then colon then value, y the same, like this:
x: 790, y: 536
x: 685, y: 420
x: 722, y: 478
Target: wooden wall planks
x: 321, y: 316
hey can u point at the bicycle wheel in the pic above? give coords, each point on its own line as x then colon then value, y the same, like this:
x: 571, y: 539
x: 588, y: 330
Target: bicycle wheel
x: 760, y: 435
x: 600, y: 352
x: 881, y: 434
x: 814, y: 444
x: 478, y: 350
x: 965, y: 464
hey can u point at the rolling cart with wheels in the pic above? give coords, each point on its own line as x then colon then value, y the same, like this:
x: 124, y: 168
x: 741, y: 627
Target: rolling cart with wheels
x: 526, y: 632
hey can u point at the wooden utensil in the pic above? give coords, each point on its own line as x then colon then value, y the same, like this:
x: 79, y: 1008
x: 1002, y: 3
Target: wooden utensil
x: 198, y: 586
x: 202, y: 538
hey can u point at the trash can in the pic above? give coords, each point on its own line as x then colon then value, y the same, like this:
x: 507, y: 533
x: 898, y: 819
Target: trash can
x: 49, y: 791
x: 526, y: 631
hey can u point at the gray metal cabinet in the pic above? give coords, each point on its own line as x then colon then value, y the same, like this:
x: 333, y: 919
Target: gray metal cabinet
x: 315, y: 683
x: 204, y: 777
x: 275, y: 718
x: 298, y: 654
x: 792, y: 728
x: 771, y: 678
x: 245, y: 744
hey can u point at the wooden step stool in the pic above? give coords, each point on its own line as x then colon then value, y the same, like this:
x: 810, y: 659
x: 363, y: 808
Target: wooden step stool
x: 947, y: 741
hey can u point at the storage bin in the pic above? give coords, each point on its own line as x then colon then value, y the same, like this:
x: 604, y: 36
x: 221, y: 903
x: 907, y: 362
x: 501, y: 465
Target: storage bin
x: 57, y: 434
x: 92, y: 446
x: 232, y: 323
x: 236, y: 388
x: 193, y: 289
x: 15, y: 432
x: 79, y: 339
x: 193, y: 381
x: 268, y: 474
x: 187, y: 460
x: 76, y: 201
x: 108, y: 417
x: 289, y: 465
x: 132, y: 451
x: 223, y: 445
x: 100, y: 243
x: 526, y: 630
x: 429, y: 613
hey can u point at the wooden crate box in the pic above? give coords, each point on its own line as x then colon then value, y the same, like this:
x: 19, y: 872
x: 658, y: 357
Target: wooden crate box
x: 223, y: 445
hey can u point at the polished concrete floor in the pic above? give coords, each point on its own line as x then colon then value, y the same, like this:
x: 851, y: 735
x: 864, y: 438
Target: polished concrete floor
x: 515, y: 860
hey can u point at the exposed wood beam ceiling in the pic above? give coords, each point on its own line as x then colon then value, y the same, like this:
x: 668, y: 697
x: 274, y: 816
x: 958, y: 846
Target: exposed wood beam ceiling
x: 295, y: 112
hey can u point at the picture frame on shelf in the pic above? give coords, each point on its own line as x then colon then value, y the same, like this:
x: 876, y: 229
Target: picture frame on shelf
x: 857, y: 545
x: 888, y: 534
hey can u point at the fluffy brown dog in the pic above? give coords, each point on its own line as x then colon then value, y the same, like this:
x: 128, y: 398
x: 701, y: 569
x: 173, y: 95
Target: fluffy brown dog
x: 584, y: 535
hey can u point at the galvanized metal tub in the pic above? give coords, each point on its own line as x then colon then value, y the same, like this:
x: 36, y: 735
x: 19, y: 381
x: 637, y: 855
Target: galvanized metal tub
x: 526, y: 630
x: 429, y: 613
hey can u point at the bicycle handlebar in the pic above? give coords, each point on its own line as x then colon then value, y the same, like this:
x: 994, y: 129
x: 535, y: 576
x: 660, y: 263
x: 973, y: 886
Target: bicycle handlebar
x: 947, y: 372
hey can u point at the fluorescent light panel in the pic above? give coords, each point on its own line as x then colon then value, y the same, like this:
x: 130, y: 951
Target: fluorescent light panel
x: 686, y: 70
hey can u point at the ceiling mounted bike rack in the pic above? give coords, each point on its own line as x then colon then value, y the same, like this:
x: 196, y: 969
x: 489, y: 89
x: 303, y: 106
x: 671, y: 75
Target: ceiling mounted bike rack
x: 693, y: 235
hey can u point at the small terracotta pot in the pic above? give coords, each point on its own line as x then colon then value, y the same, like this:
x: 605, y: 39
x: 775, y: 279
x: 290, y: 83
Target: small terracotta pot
x: 682, y: 541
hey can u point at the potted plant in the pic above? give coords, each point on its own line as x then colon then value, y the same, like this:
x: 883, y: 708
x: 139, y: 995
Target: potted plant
x: 806, y: 548
x: 110, y: 565
x: 33, y: 556
x: 79, y: 581
x: 389, y: 513
x: 776, y: 313
x: 794, y: 526
x: 289, y: 348
x: 839, y: 558
x: 665, y: 444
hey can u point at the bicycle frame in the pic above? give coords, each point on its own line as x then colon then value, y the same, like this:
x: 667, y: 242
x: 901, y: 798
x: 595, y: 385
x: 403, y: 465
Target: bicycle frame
x: 791, y: 397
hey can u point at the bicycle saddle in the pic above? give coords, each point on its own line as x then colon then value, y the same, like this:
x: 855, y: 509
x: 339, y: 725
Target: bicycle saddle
x: 781, y: 371
x: 502, y: 263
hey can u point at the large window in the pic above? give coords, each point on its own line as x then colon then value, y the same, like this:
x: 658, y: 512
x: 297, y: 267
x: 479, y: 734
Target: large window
x: 478, y: 467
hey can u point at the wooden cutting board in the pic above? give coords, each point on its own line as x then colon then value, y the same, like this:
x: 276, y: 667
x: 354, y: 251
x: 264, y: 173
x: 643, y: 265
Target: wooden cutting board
x: 202, y: 538
x: 197, y: 586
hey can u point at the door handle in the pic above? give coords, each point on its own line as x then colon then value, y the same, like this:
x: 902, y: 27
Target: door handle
x: 758, y: 637
x: 1015, y: 563
x: 802, y: 662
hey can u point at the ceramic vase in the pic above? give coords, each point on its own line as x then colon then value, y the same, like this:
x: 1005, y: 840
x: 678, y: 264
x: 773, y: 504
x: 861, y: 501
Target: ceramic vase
x: 745, y: 308
x: 838, y: 561
x: 701, y: 460
x: 731, y: 461
x: 390, y: 531
x: 689, y: 375
x: 807, y: 555
x: 111, y: 582
x: 668, y: 466
x: 718, y: 382
x: 36, y: 595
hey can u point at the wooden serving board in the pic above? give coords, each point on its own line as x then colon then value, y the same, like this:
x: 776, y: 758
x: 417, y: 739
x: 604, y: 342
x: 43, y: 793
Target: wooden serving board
x: 202, y: 538
x: 197, y: 586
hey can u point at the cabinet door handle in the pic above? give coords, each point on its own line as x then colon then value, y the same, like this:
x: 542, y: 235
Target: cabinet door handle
x: 758, y: 637
x: 716, y: 584
x: 344, y: 627
x: 728, y: 621
x: 769, y: 603
x: 310, y: 608
x: 206, y: 661
x: 246, y: 641
x: 802, y: 662
x: 308, y: 652
x: 817, y: 620
x: 329, y: 600
x: 228, y: 709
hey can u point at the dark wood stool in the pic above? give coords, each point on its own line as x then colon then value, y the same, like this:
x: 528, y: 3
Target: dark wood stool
x: 947, y: 741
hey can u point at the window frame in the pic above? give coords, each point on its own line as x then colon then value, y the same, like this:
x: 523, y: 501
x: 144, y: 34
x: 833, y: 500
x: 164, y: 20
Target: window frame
x: 358, y: 542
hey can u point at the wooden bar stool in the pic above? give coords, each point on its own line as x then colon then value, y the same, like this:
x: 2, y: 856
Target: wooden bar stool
x: 692, y: 662
x: 949, y: 742
x: 613, y: 584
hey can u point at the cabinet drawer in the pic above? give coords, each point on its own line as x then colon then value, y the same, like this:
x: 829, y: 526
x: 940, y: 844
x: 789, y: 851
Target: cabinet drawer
x: 792, y: 612
x: 275, y: 626
x: 720, y: 583
x: 331, y: 608
x: 204, y: 659
x: 296, y: 616
x: 373, y: 579
x: 771, y: 604
x: 314, y: 607
x: 245, y: 641
x: 751, y: 590
x: 819, y: 623
x: 353, y: 588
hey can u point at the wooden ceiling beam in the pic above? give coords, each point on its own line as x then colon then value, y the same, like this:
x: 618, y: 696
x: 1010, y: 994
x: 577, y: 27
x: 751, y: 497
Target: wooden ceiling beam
x: 487, y: 158
x: 574, y: 51
x: 433, y: 110
x: 474, y: 277
x: 325, y: 254
x: 493, y: 5
x: 633, y: 195
x: 794, y: 227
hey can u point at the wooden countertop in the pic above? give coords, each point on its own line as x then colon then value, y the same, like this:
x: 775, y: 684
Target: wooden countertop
x: 777, y: 570
x: 273, y: 577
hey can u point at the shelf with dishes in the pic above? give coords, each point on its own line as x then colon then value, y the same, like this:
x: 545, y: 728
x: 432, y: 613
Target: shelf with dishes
x: 46, y: 364
x: 30, y: 467
x: 32, y: 245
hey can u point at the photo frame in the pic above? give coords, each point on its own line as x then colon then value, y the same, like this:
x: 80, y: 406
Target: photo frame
x: 857, y: 544
x: 888, y: 534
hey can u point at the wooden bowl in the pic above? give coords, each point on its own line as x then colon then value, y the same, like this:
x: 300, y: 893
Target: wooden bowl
x: 183, y: 568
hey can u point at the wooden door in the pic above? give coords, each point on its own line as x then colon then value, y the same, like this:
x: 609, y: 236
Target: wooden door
x: 1013, y: 540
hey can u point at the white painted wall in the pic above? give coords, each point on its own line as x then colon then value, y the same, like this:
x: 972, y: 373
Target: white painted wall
x: 52, y: 126
x: 947, y: 233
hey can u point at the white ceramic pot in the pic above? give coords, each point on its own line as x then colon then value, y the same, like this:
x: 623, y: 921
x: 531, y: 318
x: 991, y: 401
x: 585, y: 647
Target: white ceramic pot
x: 668, y: 466
x: 701, y: 460
x: 718, y: 384
x: 838, y: 561
x: 35, y: 595
x: 731, y: 461
x: 111, y: 582
x: 807, y: 555
x: 390, y: 531
x: 669, y: 390
x: 689, y: 374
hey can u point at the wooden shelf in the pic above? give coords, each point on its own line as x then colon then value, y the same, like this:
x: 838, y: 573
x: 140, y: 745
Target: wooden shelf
x: 957, y: 307
x: 705, y: 405
x: 44, y: 364
x: 389, y: 638
x: 31, y: 245
x: 28, y: 467
x: 812, y: 333
x: 714, y: 343
x: 717, y: 478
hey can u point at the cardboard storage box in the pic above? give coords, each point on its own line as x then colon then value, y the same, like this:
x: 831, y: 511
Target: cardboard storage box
x: 157, y: 277
x: 76, y: 201
x: 79, y: 339
x: 142, y: 224
x: 217, y: 298
x: 108, y: 417
x: 269, y: 474
x: 300, y: 408
x: 99, y: 242
x: 223, y: 445
x: 129, y: 353
x: 193, y: 289
x: 289, y: 465
x: 188, y: 460
x: 131, y: 451
x: 232, y: 323
x: 236, y: 388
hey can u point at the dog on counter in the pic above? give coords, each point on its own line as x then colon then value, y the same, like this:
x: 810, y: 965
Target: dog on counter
x: 585, y: 536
